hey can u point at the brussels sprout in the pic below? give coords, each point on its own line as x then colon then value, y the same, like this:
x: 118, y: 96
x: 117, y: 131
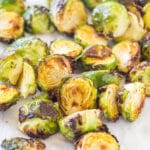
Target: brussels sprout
x: 30, y: 48
x: 141, y: 73
x: 67, y: 15
x: 104, y: 77
x: 81, y: 122
x: 11, y: 68
x: 8, y: 97
x: 76, y: 94
x: 131, y: 100
x: 111, y: 18
x: 99, y: 57
x: 92, y: 3
x: 146, y: 47
x: 17, y: 6
x: 52, y: 70
x: 108, y: 101
x: 27, y: 82
x: 19, y: 143
x: 146, y: 19
x: 87, y: 36
x: 97, y: 140
x: 39, y: 118
x: 135, y: 30
x: 37, y: 20
x: 127, y: 54
x: 11, y: 26
x: 66, y: 47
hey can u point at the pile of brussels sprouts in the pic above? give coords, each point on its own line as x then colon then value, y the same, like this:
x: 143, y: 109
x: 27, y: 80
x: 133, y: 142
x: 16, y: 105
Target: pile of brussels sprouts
x: 103, y: 72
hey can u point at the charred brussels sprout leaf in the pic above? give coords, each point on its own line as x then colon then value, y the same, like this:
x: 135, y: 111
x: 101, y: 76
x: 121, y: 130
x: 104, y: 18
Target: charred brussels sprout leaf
x: 27, y: 81
x: 92, y: 3
x: 127, y: 54
x: 108, y: 101
x: 87, y: 36
x: 99, y: 57
x: 11, y: 26
x: 66, y: 47
x: 37, y: 20
x: 67, y: 15
x: 146, y: 19
x: 141, y: 73
x: 76, y: 124
x: 131, y: 100
x: 30, y: 48
x: 111, y: 18
x: 76, y: 94
x: 8, y: 97
x: 19, y: 143
x: 52, y: 70
x: 17, y: 6
x: 11, y: 68
x: 104, y: 77
x: 97, y: 140
x: 39, y: 118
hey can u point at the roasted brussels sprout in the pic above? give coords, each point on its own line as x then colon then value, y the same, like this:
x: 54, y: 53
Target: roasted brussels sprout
x: 8, y: 97
x: 11, y: 68
x: 104, y: 77
x: 97, y: 140
x: 127, y: 54
x: 11, y: 26
x: 146, y: 19
x: 67, y: 15
x: 92, y: 3
x: 52, y: 70
x: 131, y: 100
x: 17, y: 6
x: 37, y: 20
x: 145, y: 43
x: 76, y: 94
x: 30, y: 48
x: 108, y: 101
x: 81, y: 122
x: 86, y: 36
x: 39, y: 118
x: 110, y: 18
x: 98, y: 57
x: 141, y: 73
x: 19, y: 143
x: 27, y: 82
x: 66, y: 47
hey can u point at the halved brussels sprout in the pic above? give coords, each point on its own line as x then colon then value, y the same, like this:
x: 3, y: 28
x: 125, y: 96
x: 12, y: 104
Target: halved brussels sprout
x: 145, y: 43
x: 27, y: 81
x: 97, y: 141
x: 67, y: 15
x: 99, y: 57
x: 104, y: 77
x: 11, y: 26
x: 8, y: 97
x: 76, y: 94
x: 127, y: 54
x: 76, y: 124
x: 111, y: 18
x: 86, y: 36
x: 108, y: 101
x: 37, y: 20
x: 131, y: 100
x: 30, y: 48
x: 39, y: 118
x: 17, y: 6
x: 11, y: 68
x: 146, y: 17
x: 92, y: 3
x: 19, y: 143
x: 52, y: 70
x: 135, y: 30
x: 141, y: 73
x: 66, y: 47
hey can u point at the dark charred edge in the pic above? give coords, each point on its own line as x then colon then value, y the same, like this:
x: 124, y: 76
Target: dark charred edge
x: 4, y: 107
x: 7, y: 41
